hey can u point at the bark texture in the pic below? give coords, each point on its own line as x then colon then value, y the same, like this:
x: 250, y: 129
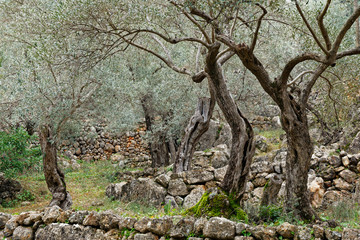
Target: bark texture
x: 198, y: 125
x: 300, y: 149
x: 242, y: 148
x: 55, y: 179
x: 159, y: 150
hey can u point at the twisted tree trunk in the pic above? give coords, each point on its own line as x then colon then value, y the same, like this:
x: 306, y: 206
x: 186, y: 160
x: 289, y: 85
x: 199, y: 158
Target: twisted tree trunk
x: 300, y: 149
x: 198, y: 125
x: 55, y: 179
x: 242, y: 148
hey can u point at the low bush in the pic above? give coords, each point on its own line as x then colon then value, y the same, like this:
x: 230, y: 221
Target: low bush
x: 16, y: 153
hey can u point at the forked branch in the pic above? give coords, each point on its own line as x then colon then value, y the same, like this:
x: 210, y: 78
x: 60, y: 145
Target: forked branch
x: 252, y: 47
x: 323, y: 30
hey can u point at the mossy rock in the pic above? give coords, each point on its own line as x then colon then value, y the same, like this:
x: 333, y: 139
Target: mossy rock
x: 216, y: 203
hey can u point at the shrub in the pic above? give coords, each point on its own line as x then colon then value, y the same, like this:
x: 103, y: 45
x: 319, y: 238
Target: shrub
x: 16, y: 155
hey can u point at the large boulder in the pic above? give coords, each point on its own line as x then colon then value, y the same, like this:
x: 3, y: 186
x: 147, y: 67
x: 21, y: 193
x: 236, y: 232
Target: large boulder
x: 198, y: 176
x: 218, y: 133
x: 142, y: 189
x: 177, y: 187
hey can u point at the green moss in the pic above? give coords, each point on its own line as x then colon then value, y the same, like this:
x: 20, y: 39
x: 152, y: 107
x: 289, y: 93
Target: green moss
x: 217, y: 205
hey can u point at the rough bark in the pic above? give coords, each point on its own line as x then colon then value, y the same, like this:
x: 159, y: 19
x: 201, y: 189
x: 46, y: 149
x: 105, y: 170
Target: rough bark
x: 55, y: 179
x: 242, y: 148
x: 159, y: 150
x: 271, y: 191
x: 300, y: 149
x: 198, y: 125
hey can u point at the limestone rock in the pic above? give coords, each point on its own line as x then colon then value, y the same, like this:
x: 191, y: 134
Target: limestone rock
x: 51, y: 214
x: 355, y: 144
x: 348, y: 176
x: 303, y: 233
x: 163, y: 180
x: 260, y: 143
x: 177, y: 187
x: 317, y: 191
x: 198, y: 176
x: 287, y: 230
x: 183, y: 228
x: 219, y: 228
x: 351, y: 234
x: 331, y: 197
x: 92, y: 220
x: 142, y: 189
x: 147, y: 236
x: 3, y: 219
x: 10, y: 226
x: 220, y: 173
x: 108, y: 220
x: 219, y: 159
x: 194, y: 197
x: 335, y: 161
x: 342, y: 185
x: 78, y: 217
x: 142, y: 225
x: 160, y: 226
x: 67, y: 231
x: 126, y: 223
x: 23, y: 233
x: 332, y: 235
x: 172, y: 201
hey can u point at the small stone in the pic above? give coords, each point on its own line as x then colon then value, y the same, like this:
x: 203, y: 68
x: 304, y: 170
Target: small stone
x: 147, y: 236
x: 183, y: 228
x: 23, y: 233
x: 345, y: 161
x: 194, y: 197
x: 177, y: 187
x: 348, y: 176
x: 351, y: 234
x: 335, y: 161
x: 342, y: 185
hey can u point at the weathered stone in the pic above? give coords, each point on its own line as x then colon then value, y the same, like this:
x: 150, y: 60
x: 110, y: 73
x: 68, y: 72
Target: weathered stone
x: 220, y: 173
x: 108, y: 220
x: 92, y: 219
x: 303, y: 233
x: 33, y: 217
x: 147, y: 236
x: 261, y: 165
x: 355, y: 144
x: 23, y: 233
x: 332, y: 235
x: 317, y: 191
x: 331, y: 197
x: 287, y: 230
x: 51, y: 214
x: 240, y: 228
x: 258, y: 192
x: 219, y: 159
x: 77, y: 217
x: 171, y: 200
x: 345, y: 161
x: 348, y: 176
x: 260, y: 143
x: 177, y: 187
x: 10, y: 226
x: 326, y: 171
x: 199, y: 225
x: 243, y: 238
x: 163, y: 180
x: 3, y: 219
x: 342, y: 185
x: 126, y: 223
x: 198, y: 176
x: 318, y: 231
x: 259, y: 182
x: 142, y: 225
x: 351, y: 234
x: 183, y: 228
x: 67, y: 231
x: 142, y: 189
x: 219, y: 228
x: 334, y: 160
x: 194, y: 197
x: 159, y: 226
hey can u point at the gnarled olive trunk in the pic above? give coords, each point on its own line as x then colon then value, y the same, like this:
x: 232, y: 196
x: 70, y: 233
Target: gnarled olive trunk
x: 159, y: 150
x: 300, y: 148
x: 198, y: 125
x: 242, y: 148
x: 55, y: 179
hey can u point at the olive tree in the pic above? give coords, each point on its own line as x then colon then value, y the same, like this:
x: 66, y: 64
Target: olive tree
x: 42, y: 74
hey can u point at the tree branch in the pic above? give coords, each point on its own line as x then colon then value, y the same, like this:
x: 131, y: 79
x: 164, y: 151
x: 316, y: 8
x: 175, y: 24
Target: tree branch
x: 307, y: 90
x: 350, y: 52
x: 310, y: 28
x: 299, y: 76
x: 257, y: 27
x: 323, y: 30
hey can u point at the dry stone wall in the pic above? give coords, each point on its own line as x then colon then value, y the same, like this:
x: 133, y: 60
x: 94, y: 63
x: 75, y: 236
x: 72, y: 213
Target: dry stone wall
x: 56, y: 224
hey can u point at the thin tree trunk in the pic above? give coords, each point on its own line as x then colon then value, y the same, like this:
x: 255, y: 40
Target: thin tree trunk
x: 55, y: 179
x: 357, y: 26
x: 158, y: 150
x: 300, y: 149
x: 198, y: 125
x: 242, y: 148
